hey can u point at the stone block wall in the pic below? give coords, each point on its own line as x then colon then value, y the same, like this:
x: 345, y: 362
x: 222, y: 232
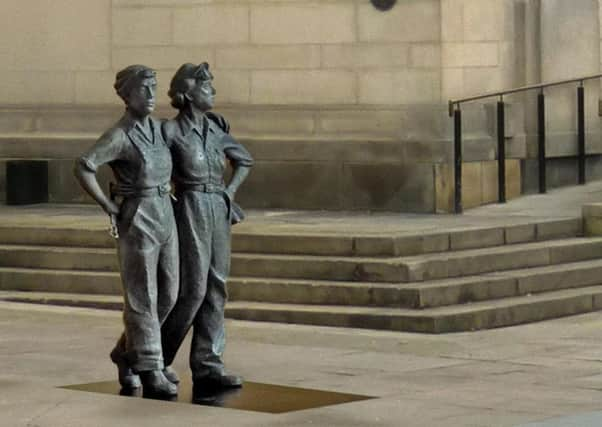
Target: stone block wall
x: 341, y: 52
x: 478, y: 46
x: 336, y: 87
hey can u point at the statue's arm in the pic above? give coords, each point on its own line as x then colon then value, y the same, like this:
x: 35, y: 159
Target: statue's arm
x: 239, y: 174
x: 88, y: 181
x: 241, y: 161
x: 107, y: 148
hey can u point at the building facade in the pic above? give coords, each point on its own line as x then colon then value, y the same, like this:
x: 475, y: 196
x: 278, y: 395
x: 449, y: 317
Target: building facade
x: 342, y: 105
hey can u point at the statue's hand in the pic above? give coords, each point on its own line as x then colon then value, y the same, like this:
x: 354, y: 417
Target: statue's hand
x: 111, y: 208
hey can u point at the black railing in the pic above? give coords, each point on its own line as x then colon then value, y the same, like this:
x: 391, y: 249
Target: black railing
x: 455, y: 111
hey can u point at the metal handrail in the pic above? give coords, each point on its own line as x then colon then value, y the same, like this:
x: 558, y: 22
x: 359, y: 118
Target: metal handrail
x: 501, y: 93
x: 456, y: 112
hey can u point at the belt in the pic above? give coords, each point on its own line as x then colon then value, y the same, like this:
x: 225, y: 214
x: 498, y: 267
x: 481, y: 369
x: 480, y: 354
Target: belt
x: 126, y: 191
x: 203, y: 188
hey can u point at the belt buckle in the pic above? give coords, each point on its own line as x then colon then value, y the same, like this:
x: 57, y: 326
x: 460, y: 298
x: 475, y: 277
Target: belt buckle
x: 162, y: 190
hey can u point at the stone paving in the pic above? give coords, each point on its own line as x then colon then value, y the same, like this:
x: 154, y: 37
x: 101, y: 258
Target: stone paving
x: 539, y: 373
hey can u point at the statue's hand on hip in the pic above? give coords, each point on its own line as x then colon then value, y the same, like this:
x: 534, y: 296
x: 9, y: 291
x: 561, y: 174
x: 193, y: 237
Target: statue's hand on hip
x: 111, y: 208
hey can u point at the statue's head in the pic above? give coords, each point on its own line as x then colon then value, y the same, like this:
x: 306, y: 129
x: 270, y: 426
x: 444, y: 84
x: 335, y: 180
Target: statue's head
x: 137, y: 86
x: 192, y: 84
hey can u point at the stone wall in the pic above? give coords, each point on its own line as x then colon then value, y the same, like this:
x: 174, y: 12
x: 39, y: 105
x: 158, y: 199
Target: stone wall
x: 332, y: 96
x: 341, y: 52
x: 479, y: 50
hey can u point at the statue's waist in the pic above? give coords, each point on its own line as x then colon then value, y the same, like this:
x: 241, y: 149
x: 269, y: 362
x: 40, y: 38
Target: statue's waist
x: 129, y: 191
x: 202, y: 188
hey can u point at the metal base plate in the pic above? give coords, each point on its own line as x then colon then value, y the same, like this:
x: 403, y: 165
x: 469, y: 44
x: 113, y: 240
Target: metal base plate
x: 258, y: 397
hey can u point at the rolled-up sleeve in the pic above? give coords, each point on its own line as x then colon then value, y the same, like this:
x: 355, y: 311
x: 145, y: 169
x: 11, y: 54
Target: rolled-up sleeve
x: 236, y: 152
x: 109, y: 147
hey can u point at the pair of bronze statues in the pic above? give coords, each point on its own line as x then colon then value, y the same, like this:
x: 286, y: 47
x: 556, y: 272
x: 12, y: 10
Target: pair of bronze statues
x: 174, y: 245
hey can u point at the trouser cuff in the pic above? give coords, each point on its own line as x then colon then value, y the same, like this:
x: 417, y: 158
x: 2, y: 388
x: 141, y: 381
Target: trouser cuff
x: 148, y: 365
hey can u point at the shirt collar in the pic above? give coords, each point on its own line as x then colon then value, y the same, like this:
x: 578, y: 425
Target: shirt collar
x: 129, y: 123
x: 188, y: 125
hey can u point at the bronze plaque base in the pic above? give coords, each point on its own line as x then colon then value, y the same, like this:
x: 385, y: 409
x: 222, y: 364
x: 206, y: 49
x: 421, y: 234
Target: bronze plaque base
x: 259, y: 397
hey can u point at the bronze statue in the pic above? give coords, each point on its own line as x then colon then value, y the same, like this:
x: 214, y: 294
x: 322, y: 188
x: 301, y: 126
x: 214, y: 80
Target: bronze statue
x: 205, y: 209
x: 137, y: 153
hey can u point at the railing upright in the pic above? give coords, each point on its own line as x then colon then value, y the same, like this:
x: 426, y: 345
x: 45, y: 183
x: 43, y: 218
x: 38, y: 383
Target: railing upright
x: 581, y: 133
x: 457, y: 160
x: 501, y: 151
x: 541, y: 141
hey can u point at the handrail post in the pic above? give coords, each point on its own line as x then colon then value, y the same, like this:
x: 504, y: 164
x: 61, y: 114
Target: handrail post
x: 458, y: 160
x: 501, y: 151
x: 541, y: 140
x: 581, y: 132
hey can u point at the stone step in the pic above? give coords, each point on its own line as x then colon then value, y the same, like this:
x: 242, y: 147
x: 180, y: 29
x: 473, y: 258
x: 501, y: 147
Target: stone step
x: 314, y: 292
x: 418, y: 268
x: 497, y: 285
x: 60, y: 281
x: 468, y: 317
x: 429, y: 294
x: 320, y: 244
x: 488, y: 260
x: 58, y: 257
x: 106, y: 302
x: 56, y: 236
x: 358, y: 269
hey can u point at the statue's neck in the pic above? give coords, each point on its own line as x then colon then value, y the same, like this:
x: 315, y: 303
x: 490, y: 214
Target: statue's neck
x: 195, y: 114
x: 142, y: 120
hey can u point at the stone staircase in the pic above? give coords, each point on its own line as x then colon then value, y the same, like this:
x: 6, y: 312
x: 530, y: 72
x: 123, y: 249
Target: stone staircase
x: 435, y: 282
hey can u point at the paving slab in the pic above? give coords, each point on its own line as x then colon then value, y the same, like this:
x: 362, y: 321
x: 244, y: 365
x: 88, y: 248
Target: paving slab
x: 593, y: 419
x: 543, y: 374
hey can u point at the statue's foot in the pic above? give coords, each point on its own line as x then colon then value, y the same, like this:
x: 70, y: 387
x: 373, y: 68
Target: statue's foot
x: 216, y: 382
x: 171, y: 375
x: 154, y: 384
x: 127, y: 378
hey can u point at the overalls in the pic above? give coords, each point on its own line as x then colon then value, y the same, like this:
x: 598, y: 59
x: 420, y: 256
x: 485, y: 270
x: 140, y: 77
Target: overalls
x: 147, y: 245
x: 203, y: 214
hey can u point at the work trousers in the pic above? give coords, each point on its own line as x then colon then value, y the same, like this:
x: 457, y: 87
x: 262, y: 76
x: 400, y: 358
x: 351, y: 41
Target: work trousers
x: 149, y: 261
x: 204, y: 237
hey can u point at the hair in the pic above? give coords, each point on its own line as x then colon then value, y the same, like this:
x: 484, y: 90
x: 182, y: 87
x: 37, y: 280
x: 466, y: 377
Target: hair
x: 130, y: 77
x: 185, y: 79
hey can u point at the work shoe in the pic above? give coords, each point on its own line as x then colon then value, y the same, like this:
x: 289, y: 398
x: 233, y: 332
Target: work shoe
x: 171, y: 375
x: 154, y: 384
x: 216, y: 382
x: 127, y: 378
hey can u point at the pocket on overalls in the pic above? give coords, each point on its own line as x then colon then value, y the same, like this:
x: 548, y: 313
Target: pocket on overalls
x: 228, y: 203
x: 235, y: 212
x: 127, y: 211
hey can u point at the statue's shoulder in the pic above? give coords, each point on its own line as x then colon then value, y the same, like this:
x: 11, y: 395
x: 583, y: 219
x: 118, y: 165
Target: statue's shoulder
x: 219, y: 120
x: 171, y: 128
x: 114, y: 134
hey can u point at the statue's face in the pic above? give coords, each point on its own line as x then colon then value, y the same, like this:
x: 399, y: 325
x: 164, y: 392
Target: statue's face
x: 202, y: 95
x: 141, y: 100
